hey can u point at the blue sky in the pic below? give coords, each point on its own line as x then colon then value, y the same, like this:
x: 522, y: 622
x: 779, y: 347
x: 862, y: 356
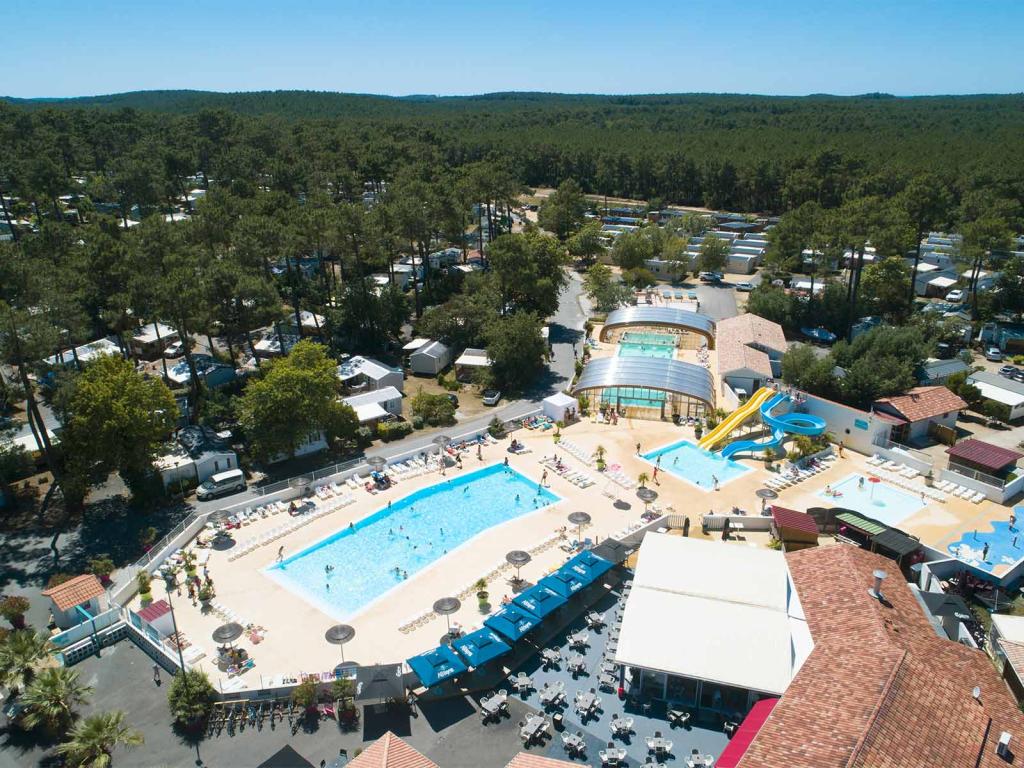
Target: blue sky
x: 433, y: 46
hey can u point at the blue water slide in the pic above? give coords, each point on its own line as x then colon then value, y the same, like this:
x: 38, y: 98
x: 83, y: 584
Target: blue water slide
x: 787, y: 423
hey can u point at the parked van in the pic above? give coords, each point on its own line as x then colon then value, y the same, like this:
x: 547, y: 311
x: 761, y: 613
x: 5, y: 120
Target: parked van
x: 221, y: 484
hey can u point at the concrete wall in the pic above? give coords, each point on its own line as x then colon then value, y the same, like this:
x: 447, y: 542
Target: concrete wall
x: 919, y: 429
x: 858, y: 430
x: 992, y: 492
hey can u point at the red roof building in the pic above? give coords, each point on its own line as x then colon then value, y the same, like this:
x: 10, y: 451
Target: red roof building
x: 977, y: 454
x: 526, y: 760
x: 389, y: 751
x: 880, y: 689
x: 796, y: 530
x: 918, y: 409
x: 85, y: 591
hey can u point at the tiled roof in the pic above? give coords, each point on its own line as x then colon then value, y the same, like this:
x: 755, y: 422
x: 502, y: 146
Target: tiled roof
x: 389, y: 751
x: 984, y: 454
x: 76, y: 591
x: 741, y: 342
x: 880, y: 689
x: 791, y: 518
x: 751, y: 329
x: 154, y: 611
x: 526, y: 760
x: 923, y: 403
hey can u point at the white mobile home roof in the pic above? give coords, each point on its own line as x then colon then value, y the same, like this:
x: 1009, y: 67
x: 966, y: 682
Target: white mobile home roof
x: 415, y: 344
x: 147, y: 333
x: 474, y: 357
x: 714, y: 611
x: 942, y: 282
x: 86, y: 352
x: 365, y: 366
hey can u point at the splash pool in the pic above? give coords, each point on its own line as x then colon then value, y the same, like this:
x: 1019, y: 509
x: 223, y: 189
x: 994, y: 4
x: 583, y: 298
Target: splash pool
x: 409, y: 535
x: 695, y: 465
x: 1005, y: 544
x: 878, y: 501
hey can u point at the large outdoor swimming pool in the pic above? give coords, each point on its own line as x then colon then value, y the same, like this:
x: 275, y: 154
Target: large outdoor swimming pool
x: 875, y: 500
x: 695, y: 465
x: 1005, y: 544
x: 409, y: 535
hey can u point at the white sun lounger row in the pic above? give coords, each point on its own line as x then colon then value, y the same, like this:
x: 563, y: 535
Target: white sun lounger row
x: 228, y: 615
x: 587, y: 457
x: 903, y: 477
x: 582, y: 479
x: 618, y: 477
x: 294, y: 524
x: 252, y: 514
x: 961, y: 491
x: 793, y: 475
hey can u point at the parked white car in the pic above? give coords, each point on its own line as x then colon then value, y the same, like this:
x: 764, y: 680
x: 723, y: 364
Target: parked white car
x: 956, y: 295
x: 491, y: 396
x: 994, y: 354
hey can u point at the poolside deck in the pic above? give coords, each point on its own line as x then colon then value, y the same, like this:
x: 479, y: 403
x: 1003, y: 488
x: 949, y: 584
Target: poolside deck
x: 294, y: 640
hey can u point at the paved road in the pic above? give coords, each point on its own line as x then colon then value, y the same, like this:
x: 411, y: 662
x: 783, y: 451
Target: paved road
x: 717, y: 301
x: 565, y: 336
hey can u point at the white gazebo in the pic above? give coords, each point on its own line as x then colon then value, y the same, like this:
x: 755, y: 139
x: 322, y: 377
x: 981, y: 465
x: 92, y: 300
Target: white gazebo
x: 559, y: 405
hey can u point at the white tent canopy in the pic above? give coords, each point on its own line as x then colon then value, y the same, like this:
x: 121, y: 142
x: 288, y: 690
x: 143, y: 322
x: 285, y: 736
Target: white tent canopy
x: 716, y: 612
x: 557, y: 405
x: 369, y: 412
x: 415, y: 344
x: 942, y: 282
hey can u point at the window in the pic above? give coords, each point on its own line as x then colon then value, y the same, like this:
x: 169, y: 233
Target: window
x: 681, y: 690
x: 653, y: 683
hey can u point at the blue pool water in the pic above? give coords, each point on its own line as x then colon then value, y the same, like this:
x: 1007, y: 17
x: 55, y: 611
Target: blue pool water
x: 695, y: 465
x: 411, y: 534
x: 1005, y: 544
x: 878, y: 501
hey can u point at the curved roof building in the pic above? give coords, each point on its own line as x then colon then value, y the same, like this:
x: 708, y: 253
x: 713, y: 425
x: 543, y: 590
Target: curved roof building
x: 647, y: 381
x: 669, y: 318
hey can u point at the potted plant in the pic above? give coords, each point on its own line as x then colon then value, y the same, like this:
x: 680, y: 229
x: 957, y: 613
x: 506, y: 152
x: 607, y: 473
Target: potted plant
x: 599, y: 453
x: 769, y: 457
x: 642, y: 479
x: 206, y: 594
x: 482, y: 595
x: 13, y: 609
x: 189, y: 561
x: 102, y: 567
x: 145, y: 587
x: 929, y: 479
x: 305, y: 695
x: 698, y: 430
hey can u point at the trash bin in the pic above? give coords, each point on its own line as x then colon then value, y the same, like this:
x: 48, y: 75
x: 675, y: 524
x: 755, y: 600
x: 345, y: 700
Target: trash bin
x: 556, y: 720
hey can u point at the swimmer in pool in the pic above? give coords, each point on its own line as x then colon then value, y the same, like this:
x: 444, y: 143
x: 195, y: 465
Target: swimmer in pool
x: 517, y: 498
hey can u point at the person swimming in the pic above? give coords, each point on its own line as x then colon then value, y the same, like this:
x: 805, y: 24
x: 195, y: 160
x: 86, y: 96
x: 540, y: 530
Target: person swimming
x: 517, y: 498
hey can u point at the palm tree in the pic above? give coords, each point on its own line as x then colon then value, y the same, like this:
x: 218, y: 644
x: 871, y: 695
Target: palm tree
x: 91, y: 741
x: 20, y: 652
x: 642, y: 479
x: 52, y: 697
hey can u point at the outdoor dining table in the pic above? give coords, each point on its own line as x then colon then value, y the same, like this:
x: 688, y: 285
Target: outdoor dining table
x: 576, y: 662
x: 522, y: 682
x: 579, y: 639
x: 574, y: 742
x: 699, y: 761
x: 551, y: 693
x: 585, y: 702
x: 595, y: 619
x: 658, y: 744
x: 494, y: 704
x: 614, y: 755
x: 535, y: 724
x: 551, y: 656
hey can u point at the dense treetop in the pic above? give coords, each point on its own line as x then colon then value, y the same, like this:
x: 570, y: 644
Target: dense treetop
x: 726, y: 151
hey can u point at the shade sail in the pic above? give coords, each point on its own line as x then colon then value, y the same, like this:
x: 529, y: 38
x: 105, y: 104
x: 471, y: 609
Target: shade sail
x: 513, y: 621
x: 748, y: 729
x: 588, y: 566
x: 479, y: 647
x: 436, y: 666
x: 563, y: 582
x: 539, y: 600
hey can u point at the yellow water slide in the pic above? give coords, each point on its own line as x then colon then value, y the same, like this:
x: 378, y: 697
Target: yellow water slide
x: 735, y: 419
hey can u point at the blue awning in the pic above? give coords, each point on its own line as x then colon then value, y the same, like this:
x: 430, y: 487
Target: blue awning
x: 481, y: 646
x: 588, y: 566
x: 539, y: 600
x: 436, y: 666
x: 513, y: 621
x: 563, y: 581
